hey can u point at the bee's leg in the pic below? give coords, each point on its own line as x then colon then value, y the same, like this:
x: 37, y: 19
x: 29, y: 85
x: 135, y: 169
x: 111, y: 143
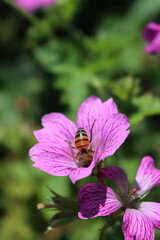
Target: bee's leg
x: 70, y: 144
x: 91, y: 131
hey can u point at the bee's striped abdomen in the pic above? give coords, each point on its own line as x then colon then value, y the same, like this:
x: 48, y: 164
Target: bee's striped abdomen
x: 81, y: 139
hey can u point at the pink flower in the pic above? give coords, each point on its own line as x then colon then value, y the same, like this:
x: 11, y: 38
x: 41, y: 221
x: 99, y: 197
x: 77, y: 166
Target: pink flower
x: 54, y: 154
x: 151, y: 34
x: 33, y: 5
x: 140, y: 218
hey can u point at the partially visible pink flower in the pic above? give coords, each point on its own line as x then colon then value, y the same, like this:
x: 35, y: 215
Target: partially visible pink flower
x: 140, y: 218
x: 33, y: 5
x: 54, y: 154
x: 151, y: 34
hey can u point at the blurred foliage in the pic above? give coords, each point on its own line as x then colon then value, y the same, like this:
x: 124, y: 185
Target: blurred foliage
x: 50, y: 62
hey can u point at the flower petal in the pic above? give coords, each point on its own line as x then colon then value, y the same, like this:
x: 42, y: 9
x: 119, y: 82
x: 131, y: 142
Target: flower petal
x: 32, y: 5
x: 150, y: 31
x: 88, y: 112
x: 58, y: 161
x: 93, y: 109
x: 109, y: 129
x: 97, y: 200
x: 151, y: 34
x: 154, y: 46
x: 147, y: 176
x: 117, y: 176
x: 82, y: 172
x: 114, y: 134
x: 59, y: 125
x: 152, y: 210
x: 137, y: 225
x: 52, y: 154
x: 54, y: 160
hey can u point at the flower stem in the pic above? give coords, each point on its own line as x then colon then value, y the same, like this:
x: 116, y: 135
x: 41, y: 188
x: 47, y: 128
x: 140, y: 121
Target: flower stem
x: 103, y: 230
x: 106, y: 226
x: 39, y: 24
x: 110, y: 223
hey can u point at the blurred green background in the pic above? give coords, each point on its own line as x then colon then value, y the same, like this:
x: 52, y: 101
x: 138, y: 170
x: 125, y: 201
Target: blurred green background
x: 50, y: 62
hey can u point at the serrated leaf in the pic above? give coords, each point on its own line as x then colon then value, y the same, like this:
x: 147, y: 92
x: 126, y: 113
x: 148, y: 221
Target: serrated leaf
x: 59, y: 57
x: 125, y: 88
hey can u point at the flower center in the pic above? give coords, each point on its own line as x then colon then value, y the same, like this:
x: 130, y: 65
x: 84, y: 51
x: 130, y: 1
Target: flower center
x: 132, y: 196
x: 133, y: 193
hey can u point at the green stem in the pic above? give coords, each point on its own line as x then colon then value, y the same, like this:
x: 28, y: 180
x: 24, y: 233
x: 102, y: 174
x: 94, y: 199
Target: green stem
x: 103, y: 230
x: 32, y: 19
x: 106, y: 226
x: 110, y: 223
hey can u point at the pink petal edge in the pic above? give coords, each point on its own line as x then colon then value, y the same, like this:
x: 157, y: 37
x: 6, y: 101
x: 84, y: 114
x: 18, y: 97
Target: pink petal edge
x: 150, y: 31
x: 114, y: 134
x: 147, y: 176
x: 154, y: 46
x: 33, y: 5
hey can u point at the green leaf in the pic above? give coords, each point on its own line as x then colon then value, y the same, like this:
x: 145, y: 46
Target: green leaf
x: 125, y: 87
x: 147, y: 105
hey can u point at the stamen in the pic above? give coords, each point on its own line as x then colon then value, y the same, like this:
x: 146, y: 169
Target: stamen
x: 133, y: 192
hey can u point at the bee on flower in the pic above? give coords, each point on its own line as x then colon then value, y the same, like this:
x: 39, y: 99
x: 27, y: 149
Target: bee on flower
x: 65, y: 148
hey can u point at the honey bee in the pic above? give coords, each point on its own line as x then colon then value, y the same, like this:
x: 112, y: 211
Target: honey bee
x: 84, y: 154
